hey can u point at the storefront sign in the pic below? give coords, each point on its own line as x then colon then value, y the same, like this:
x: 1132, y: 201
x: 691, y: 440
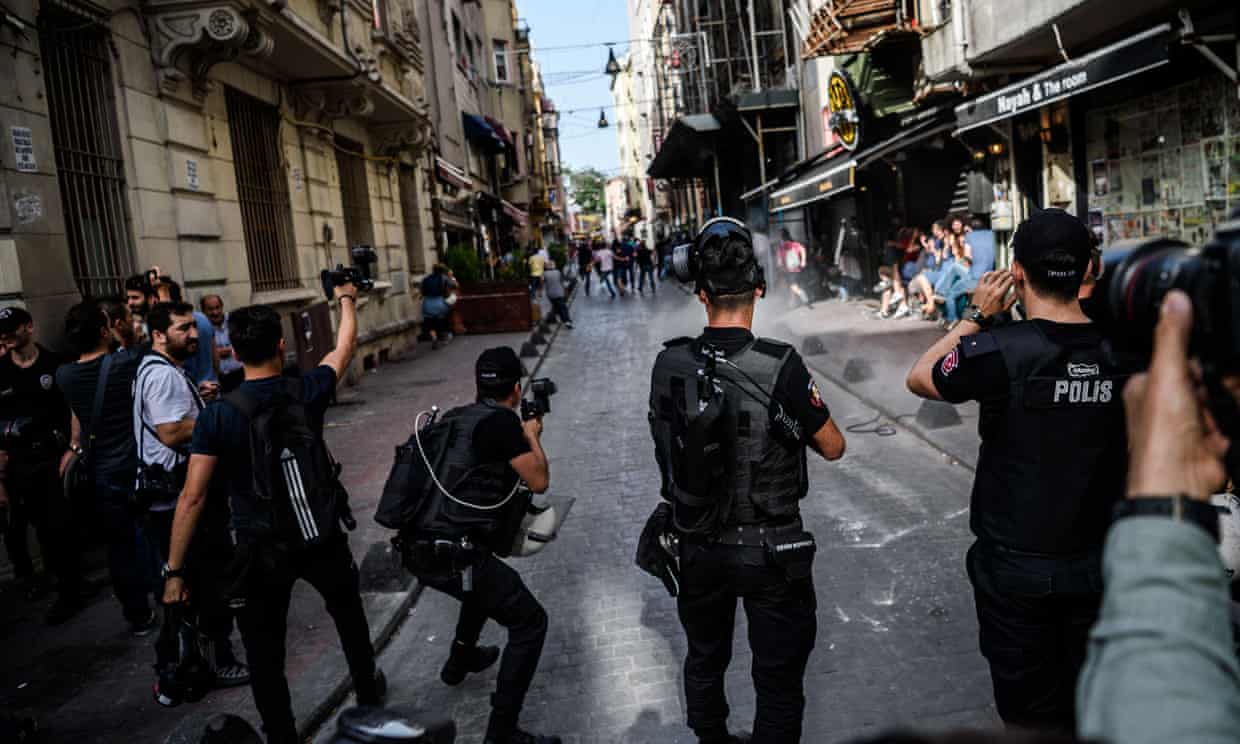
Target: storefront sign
x: 845, y: 120
x: 1107, y: 65
x: 23, y: 149
x: 827, y: 180
x: 191, y: 174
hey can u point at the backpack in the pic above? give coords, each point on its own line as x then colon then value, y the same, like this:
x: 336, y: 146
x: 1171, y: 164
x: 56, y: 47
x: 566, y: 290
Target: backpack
x: 295, y: 493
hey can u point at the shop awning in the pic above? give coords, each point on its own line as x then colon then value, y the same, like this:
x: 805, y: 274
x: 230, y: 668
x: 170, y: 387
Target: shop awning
x: 452, y: 175
x: 500, y: 130
x: 919, y: 129
x: 1109, y: 64
x: 688, y: 149
x: 512, y: 211
x: 827, y: 179
x: 769, y: 99
x: 478, y: 131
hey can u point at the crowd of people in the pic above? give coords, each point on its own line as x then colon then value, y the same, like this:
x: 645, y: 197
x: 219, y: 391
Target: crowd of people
x: 625, y: 267
x: 931, y: 275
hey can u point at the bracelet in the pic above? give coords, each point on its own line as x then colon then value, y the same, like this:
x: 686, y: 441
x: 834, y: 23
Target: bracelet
x: 347, y: 297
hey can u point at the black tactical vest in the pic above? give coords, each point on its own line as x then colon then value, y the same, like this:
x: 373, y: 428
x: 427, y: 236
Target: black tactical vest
x: 765, y: 477
x: 1053, y: 459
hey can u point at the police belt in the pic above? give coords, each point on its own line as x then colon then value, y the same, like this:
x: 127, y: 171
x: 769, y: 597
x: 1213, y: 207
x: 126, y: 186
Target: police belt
x: 743, y: 535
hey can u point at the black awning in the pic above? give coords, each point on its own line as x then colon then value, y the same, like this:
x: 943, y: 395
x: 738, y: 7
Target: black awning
x: 921, y: 128
x: 831, y: 177
x: 769, y: 99
x: 478, y: 131
x: 1109, y: 64
x: 688, y: 149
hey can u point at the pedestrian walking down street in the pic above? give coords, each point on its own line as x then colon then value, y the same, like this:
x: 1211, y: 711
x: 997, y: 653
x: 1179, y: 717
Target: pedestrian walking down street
x: 728, y: 548
x: 585, y: 262
x: 1051, y: 467
x: 645, y: 264
x: 263, y: 446
x: 604, y: 261
x: 553, y: 280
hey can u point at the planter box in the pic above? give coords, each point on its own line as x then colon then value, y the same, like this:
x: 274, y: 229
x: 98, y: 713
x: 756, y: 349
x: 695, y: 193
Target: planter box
x: 493, y: 307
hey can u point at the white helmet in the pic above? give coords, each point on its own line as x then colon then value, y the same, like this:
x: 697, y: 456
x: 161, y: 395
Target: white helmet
x: 538, y: 527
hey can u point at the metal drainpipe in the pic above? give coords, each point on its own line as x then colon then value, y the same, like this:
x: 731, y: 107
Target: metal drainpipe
x: 753, y: 50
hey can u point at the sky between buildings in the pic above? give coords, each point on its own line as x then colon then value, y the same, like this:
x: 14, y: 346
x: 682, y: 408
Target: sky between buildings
x: 573, y: 77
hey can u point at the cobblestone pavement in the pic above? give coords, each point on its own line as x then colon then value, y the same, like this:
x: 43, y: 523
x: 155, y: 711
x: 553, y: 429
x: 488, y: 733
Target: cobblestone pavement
x: 897, y: 636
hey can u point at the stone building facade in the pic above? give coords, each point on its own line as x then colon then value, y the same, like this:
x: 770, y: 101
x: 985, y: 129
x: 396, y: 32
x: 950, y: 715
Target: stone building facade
x: 240, y: 145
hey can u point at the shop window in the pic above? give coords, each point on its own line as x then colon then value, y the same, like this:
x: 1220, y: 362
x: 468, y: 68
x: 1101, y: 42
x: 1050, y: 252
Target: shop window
x: 89, y: 161
x: 262, y: 191
x: 1164, y: 164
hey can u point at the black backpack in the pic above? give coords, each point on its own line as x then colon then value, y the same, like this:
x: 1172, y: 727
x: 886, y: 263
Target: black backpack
x: 295, y: 494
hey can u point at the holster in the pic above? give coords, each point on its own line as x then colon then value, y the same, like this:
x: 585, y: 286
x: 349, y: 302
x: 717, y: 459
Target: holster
x: 792, y: 549
x: 432, y: 556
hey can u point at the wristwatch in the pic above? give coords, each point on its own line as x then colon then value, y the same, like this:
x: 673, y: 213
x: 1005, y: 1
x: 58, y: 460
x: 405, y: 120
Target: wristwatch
x: 1180, y: 507
x: 975, y: 314
x: 172, y: 573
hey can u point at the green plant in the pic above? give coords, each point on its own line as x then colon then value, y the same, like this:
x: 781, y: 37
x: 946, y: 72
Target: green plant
x: 464, y: 262
x: 516, y: 271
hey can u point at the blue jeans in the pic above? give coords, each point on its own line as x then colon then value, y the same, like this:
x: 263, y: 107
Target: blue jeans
x: 953, y: 295
x: 604, y: 280
x: 133, y: 559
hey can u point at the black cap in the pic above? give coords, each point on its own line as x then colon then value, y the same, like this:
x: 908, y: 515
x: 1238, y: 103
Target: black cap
x: 12, y: 318
x: 1054, y: 231
x: 499, y: 364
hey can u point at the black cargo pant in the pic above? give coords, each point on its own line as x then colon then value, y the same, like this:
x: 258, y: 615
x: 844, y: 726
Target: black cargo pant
x: 782, y: 626
x: 498, y: 593
x: 264, y: 575
x: 36, y: 499
x: 1034, y: 614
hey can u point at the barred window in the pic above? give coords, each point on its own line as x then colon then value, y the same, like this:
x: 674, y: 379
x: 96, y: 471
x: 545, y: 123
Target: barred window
x: 354, y: 195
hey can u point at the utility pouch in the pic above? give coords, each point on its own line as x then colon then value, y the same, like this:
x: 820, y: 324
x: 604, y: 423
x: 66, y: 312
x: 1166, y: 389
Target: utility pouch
x: 792, y: 549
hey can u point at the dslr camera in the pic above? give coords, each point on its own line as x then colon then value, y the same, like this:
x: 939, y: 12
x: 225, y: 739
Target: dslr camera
x: 1136, y: 276
x: 542, y: 389
x: 359, y: 274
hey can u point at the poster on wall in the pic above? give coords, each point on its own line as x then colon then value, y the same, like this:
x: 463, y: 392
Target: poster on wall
x: 1101, y: 184
x: 1193, y: 179
x: 1115, y: 228
x: 1190, y: 114
x: 1170, y: 183
x: 1216, y: 169
x: 1169, y: 223
x: 1149, y: 180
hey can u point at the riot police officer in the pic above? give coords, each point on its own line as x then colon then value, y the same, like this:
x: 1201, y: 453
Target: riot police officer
x: 1050, y: 469
x: 732, y: 416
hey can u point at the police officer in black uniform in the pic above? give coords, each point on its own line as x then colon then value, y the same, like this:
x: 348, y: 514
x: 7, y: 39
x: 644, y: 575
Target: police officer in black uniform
x: 491, y: 453
x: 1050, y: 469
x: 769, y: 410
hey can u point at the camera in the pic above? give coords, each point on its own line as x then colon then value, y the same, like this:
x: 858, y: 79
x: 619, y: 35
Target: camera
x: 1136, y: 276
x: 359, y: 274
x: 542, y: 389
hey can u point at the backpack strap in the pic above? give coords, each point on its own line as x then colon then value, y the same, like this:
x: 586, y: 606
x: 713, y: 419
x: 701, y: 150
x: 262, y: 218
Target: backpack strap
x: 96, y: 409
x: 243, y: 402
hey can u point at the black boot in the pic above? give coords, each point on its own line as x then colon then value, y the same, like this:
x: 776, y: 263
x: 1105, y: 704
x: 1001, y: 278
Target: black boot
x: 465, y: 660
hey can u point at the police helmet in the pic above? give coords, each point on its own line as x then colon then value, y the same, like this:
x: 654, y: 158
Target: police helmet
x: 538, y: 527
x: 721, y: 259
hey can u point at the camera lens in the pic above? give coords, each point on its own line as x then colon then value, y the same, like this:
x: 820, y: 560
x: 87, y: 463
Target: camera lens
x: 1136, y: 279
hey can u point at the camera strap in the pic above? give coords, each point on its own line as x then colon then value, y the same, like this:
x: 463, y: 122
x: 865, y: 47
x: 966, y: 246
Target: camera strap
x: 87, y: 434
x: 145, y: 369
x: 417, y: 436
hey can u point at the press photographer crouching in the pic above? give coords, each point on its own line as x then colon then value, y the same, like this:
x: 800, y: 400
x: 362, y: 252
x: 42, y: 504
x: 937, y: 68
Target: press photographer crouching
x: 34, y: 445
x: 262, y: 448
x: 458, y: 493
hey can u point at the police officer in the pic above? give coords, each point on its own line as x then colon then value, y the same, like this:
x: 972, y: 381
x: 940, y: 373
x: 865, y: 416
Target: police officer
x: 1051, y: 466
x: 491, y: 455
x: 755, y: 549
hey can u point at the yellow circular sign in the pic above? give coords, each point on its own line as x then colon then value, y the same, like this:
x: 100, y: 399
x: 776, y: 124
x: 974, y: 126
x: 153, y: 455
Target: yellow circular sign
x: 843, y: 110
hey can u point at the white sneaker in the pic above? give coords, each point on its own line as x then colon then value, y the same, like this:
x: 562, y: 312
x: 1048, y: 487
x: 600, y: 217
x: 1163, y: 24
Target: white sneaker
x: 882, y: 286
x: 903, y: 311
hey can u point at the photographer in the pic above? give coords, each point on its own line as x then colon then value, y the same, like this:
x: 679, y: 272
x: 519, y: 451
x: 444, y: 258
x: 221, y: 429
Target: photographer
x: 99, y: 389
x: 736, y: 512
x: 165, y: 407
x: 1050, y: 469
x: 495, y: 452
x: 36, y: 419
x: 144, y: 291
x: 262, y: 446
x: 1162, y: 665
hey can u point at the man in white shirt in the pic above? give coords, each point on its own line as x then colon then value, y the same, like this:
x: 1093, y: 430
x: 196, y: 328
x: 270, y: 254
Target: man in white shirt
x: 231, y: 373
x: 605, y: 262
x: 166, y: 405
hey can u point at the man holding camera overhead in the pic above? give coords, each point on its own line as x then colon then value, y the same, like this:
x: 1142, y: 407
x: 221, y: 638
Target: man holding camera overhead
x: 262, y: 445
x: 731, y: 416
x: 1051, y: 466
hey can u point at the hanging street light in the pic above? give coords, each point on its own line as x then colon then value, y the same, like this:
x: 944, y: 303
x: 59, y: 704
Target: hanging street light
x: 602, y: 119
x: 613, y: 67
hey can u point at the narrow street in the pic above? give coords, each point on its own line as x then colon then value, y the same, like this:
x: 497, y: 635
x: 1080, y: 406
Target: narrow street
x: 897, y: 637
